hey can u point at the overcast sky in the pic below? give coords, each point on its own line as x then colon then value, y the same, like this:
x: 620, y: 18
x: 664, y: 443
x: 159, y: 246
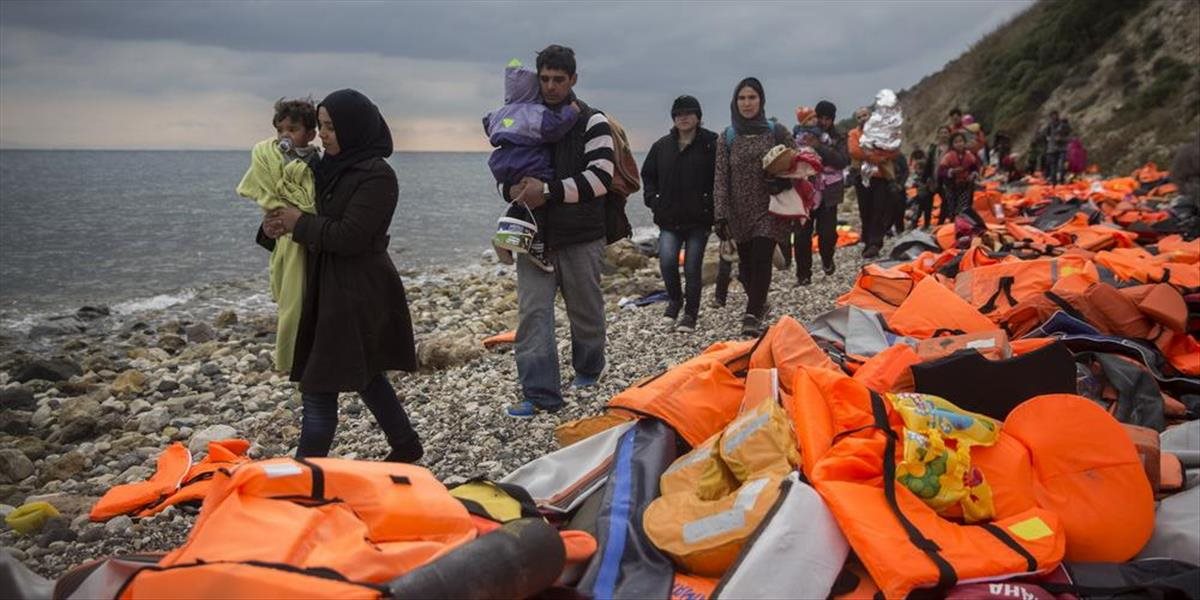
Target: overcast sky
x: 109, y: 74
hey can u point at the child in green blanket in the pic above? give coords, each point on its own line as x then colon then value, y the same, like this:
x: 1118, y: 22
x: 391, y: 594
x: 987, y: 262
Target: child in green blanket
x: 280, y: 175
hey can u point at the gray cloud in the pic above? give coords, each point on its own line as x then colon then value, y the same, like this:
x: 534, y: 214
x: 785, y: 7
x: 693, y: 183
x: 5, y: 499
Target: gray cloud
x: 435, y: 67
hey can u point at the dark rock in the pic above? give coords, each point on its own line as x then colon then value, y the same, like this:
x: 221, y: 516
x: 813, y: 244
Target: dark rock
x: 34, y: 448
x: 88, y: 313
x: 77, y: 420
x: 171, y: 342
x: 55, y: 369
x: 209, y: 369
x: 14, y: 466
x: 57, y: 327
x: 11, y: 494
x: 17, y: 397
x: 167, y: 385
x: 56, y: 529
x: 15, y: 422
x: 200, y: 333
x: 92, y: 534
x: 74, y: 345
x: 98, y: 362
x: 226, y: 319
x: 64, y: 467
x: 76, y: 388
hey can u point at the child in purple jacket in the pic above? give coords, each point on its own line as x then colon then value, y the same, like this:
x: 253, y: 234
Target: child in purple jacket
x: 522, y: 131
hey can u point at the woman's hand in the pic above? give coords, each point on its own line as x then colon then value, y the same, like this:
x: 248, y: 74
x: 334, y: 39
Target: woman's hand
x: 283, y: 219
x: 271, y: 227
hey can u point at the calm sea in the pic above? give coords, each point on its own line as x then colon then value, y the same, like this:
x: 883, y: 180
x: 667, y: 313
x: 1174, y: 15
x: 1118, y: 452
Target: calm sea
x: 144, y: 229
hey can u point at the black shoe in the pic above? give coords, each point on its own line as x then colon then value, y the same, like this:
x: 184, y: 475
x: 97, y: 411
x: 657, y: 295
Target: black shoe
x: 719, y: 301
x: 672, y: 312
x: 804, y: 280
x: 408, y: 453
x: 686, y: 324
x: 829, y: 269
x: 870, y: 252
x: 751, y: 325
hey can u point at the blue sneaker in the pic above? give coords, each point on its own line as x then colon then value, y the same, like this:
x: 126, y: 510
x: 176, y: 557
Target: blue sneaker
x: 526, y: 409
x: 522, y: 410
x: 582, y: 380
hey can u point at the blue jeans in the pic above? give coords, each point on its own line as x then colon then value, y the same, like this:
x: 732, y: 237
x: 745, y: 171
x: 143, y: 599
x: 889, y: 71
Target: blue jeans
x: 321, y: 416
x: 669, y: 243
x: 577, y: 275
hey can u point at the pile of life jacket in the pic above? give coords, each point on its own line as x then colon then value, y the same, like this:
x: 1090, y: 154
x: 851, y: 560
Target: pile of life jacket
x: 1020, y: 417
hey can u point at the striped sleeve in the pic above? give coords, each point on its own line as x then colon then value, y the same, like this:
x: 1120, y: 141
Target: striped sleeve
x: 595, y: 178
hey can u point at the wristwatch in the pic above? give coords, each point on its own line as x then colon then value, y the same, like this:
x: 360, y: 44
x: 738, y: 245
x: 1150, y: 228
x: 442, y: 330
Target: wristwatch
x: 546, y: 192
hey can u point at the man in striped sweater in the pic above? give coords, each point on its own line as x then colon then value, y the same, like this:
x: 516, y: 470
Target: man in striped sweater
x: 571, y: 211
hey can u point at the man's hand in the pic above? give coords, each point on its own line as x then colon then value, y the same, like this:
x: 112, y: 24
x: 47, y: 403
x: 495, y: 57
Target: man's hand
x: 514, y: 191
x: 531, y: 193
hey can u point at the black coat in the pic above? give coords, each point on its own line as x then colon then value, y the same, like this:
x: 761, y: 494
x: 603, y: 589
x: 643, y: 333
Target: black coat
x: 679, y: 185
x: 354, y: 323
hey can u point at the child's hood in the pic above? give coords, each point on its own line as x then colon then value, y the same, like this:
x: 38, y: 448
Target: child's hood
x: 520, y: 83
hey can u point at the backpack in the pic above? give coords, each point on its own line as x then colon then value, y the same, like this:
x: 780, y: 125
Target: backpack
x: 625, y: 181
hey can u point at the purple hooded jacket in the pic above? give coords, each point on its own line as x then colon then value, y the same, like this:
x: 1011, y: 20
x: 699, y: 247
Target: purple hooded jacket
x: 523, y: 129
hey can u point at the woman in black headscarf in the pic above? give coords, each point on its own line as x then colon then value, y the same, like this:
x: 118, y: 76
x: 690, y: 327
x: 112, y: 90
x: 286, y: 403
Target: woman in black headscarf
x: 355, y: 323
x: 742, y: 195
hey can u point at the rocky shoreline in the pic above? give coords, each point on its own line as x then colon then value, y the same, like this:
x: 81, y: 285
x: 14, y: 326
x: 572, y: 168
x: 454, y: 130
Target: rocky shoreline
x: 81, y: 411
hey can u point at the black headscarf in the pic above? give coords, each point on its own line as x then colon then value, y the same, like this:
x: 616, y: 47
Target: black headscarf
x: 361, y: 134
x: 757, y: 124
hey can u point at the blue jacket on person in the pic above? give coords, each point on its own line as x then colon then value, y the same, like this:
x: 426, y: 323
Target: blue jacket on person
x: 523, y: 129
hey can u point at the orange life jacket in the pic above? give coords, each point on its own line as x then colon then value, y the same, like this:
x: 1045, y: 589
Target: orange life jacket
x: 933, y: 310
x: 172, y: 466
x: 995, y: 289
x: 366, y: 521
x: 879, y: 289
x: 848, y: 439
x: 176, y: 480
x: 699, y: 397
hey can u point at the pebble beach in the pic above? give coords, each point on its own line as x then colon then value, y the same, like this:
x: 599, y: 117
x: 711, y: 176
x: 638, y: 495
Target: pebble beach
x: 89, y: 400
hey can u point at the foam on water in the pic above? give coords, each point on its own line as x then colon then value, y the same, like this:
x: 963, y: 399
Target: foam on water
x: 157, y: 302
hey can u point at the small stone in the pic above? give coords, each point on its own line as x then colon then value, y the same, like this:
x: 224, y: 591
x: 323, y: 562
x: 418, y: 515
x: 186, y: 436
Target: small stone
x: 225, y: 319
x: 17, y: 397
x: 15, y: 422
x: 138, y: 406
x: 14, y: 466
x: 153, y: 420
x: 171, y: 343
x: 64, y: 467
x: 210, y: 369
x: 167, y: 385
x: 118, y: 525
x: 200, y: 439
x: 200, y: 333
x: 92, y: 534
x: 89, y: 313
x: 130, y: 381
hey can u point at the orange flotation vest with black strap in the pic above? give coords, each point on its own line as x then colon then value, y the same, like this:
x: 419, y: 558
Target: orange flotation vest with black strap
x: 848, y: 439
x: 995, y: 289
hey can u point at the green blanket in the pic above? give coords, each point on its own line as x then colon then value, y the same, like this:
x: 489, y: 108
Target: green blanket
x: 273, y: 181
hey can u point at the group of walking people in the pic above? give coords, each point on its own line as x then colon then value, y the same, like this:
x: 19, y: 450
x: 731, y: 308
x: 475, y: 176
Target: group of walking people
x: 354, y: 323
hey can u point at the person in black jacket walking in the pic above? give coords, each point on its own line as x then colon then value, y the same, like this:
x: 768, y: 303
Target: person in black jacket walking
x: 354, y: 324
x: 678, y: 179
x: 834, y: 159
